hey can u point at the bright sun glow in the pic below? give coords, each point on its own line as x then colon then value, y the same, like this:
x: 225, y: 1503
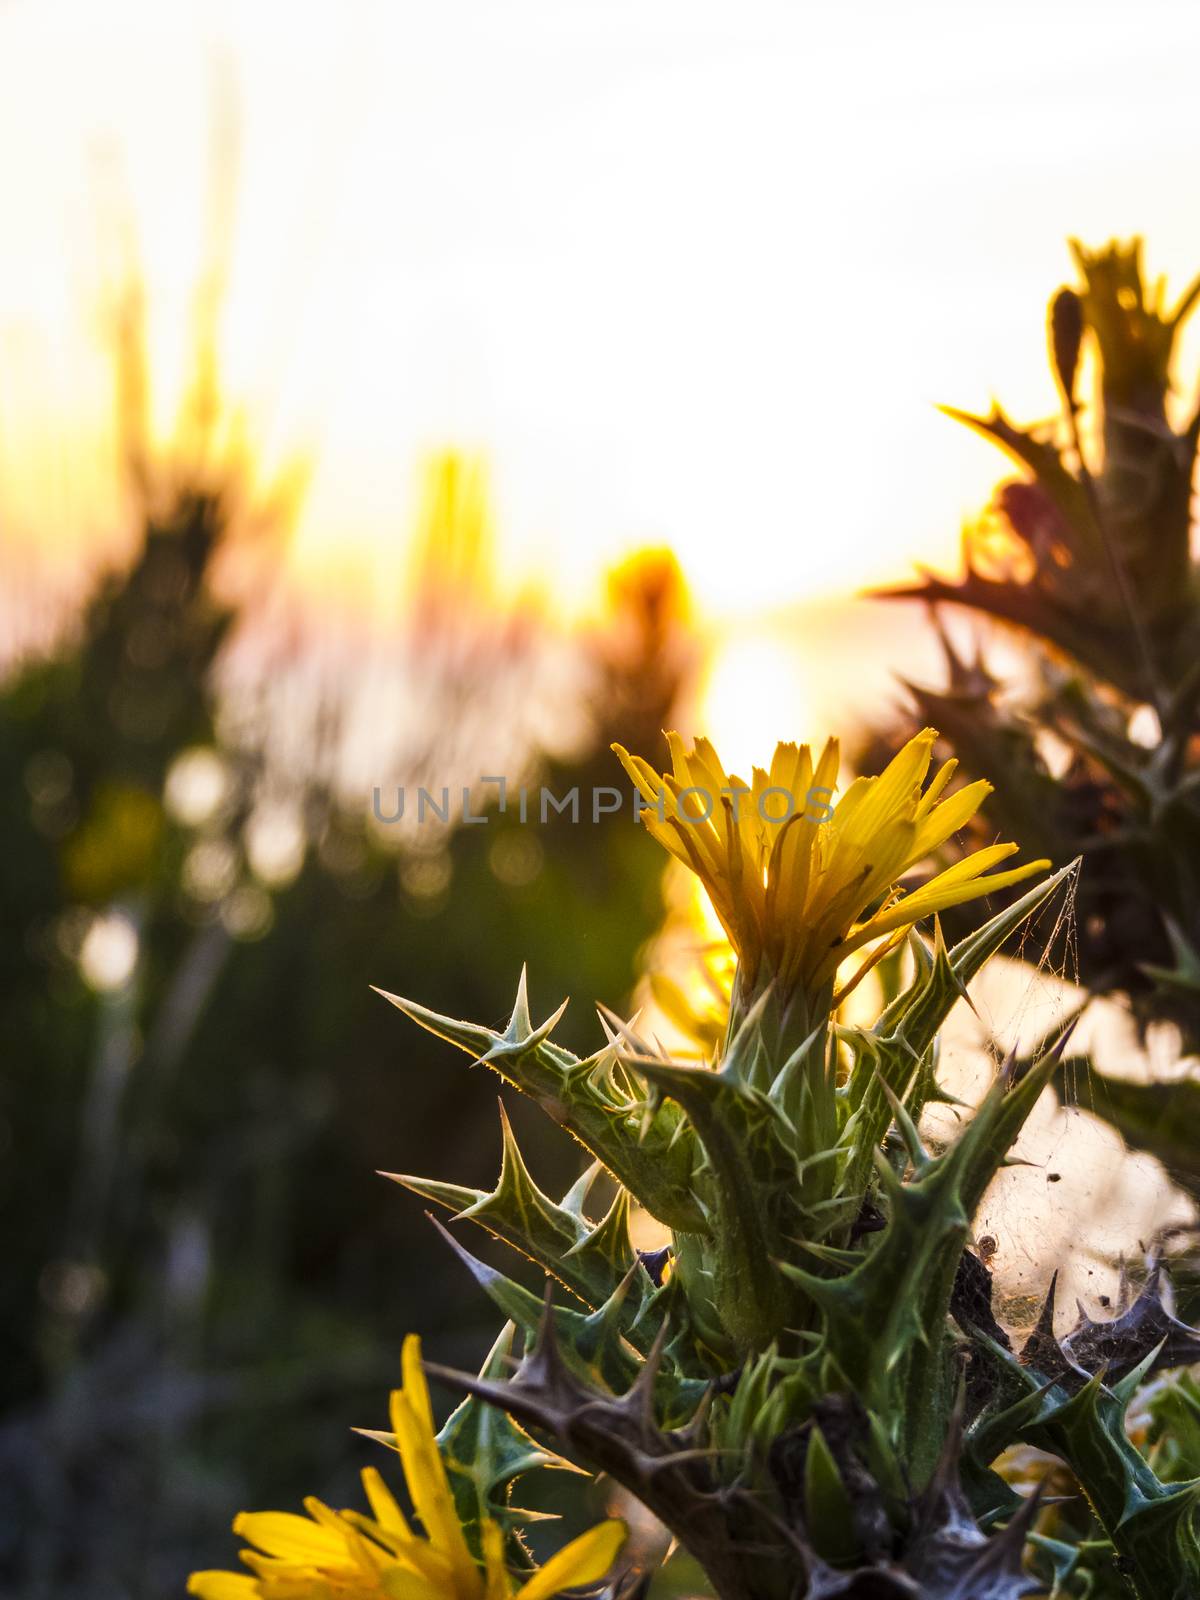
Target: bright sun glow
x: 749, y: 678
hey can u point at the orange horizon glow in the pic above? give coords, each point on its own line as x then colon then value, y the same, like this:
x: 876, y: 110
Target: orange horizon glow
x: 681, y: 279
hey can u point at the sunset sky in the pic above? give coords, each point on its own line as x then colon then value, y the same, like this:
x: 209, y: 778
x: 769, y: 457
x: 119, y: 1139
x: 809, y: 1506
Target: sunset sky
x: 687, y: 274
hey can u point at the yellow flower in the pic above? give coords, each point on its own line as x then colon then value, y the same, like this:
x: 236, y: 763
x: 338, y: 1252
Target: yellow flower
x: 800, y: 882
x: 703, y: 1018
x: 344, y: 1555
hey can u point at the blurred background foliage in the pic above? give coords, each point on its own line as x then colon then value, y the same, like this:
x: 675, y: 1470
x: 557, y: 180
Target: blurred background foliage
x: 208, y: 1282
x: 1089, y: 725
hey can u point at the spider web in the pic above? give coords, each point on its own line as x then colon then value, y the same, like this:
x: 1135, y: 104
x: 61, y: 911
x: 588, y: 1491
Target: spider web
x: 1077, y: 1201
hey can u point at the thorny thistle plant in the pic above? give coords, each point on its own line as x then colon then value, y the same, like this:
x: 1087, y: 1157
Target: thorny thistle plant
x: 1088, y: 556
x: 807, y: 1385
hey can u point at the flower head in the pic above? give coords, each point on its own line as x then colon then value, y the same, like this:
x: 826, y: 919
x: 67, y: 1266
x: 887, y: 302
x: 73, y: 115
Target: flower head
x: 345, y: 1555
x: 801, y: 882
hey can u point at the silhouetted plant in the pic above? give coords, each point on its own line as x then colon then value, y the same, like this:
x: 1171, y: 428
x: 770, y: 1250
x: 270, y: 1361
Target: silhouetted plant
x: 1089, y: 556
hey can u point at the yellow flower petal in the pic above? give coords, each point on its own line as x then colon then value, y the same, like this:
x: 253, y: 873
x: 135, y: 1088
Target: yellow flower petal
x: 345, y: 1555
x: 383, y: 1505
x: 222, y: 1586
x: 292, y: 1538
x: 584, y: 1560
x: 937, y: 896
x: 948, y: 817
x: 416, y: 1390
x: 412, y: 1421
x: 936, y: 785
x: 797, y: 887
x: 643, y: 774
x: 498, y: 1585
x: 356, y: 1551
x: 407, y: 1551
x: 398, y: 1583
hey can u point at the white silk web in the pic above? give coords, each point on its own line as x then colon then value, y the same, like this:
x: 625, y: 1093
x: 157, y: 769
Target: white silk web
x: 1076, y: 1200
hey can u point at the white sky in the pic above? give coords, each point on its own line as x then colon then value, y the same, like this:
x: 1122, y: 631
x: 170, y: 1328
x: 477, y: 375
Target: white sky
x: 688, y: 273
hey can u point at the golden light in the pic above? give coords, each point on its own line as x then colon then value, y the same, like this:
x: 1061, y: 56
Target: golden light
x: 537, y: 234
x: 750, y: 676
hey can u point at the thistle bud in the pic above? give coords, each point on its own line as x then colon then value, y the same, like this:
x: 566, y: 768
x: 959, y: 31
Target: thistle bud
x: 1066, y: 335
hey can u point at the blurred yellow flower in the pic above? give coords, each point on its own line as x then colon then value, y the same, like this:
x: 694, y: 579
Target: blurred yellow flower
x: 800, y: 882
x: 700, y: 1011
x: 344, y: 1555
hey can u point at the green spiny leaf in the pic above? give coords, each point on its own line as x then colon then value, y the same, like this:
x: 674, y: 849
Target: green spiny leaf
x: 609, y: 1360
x: 484, y: 1451
x: 645, y: 1154
x: 753, y: 1173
